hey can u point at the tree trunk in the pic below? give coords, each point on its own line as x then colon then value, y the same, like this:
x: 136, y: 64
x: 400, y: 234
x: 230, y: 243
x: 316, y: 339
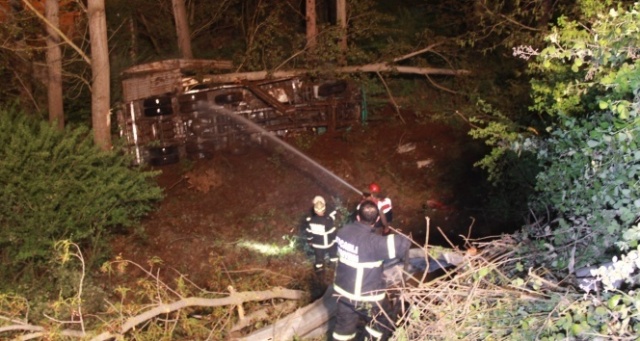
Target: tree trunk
x: 312, y: 28
x: 341, y: 19
x: 133, y: 48
x: 375, y: 67
x: 182, y: 29
x: 100, y: 95
x: 54, y: 63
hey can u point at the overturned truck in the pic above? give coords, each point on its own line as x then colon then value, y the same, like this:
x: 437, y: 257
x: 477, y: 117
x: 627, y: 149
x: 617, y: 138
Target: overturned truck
x: 162, y: 119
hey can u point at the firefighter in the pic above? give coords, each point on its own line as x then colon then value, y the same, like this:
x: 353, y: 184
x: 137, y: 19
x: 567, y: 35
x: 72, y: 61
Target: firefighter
x: 321, y: 234
x: 358, y: 280
x: 384, y: 206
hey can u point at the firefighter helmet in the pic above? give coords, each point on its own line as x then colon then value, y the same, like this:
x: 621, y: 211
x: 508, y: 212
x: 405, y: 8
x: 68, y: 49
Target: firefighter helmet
x: 374, y: 188
x: 319, y: 204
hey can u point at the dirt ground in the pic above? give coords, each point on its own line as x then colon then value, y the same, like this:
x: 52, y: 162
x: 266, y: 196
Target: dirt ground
x: 221, y: 214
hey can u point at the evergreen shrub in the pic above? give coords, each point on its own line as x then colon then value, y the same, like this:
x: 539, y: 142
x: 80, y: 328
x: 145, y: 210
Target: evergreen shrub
x: 58, y: 185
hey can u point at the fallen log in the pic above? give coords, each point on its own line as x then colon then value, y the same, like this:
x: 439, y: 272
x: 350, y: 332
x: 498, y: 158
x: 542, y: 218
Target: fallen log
x: 375, y: 67
x: 130, y: 323
x: 300, y: 323
x: 264, y: 314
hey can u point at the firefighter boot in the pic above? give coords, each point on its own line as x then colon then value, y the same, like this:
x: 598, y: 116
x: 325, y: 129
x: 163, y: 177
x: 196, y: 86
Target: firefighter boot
x: 320, y: 273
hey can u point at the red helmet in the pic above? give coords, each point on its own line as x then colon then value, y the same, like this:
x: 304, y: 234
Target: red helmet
x: 374, y: 188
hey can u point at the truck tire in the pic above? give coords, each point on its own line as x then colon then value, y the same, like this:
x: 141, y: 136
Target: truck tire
x: 159, y: 156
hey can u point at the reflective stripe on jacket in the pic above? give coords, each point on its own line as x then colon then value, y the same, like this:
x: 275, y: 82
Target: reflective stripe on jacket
x: 320, y: 231
x: 361, y: 253
x: 384, y: 205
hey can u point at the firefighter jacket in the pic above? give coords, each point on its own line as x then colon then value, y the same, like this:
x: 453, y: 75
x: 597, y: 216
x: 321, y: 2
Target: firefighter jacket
x: 384, y: 207
x: 321, y: 232
x: 361, y: 253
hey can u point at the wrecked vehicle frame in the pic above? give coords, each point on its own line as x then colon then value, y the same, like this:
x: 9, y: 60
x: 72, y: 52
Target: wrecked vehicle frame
x: 163, y: 121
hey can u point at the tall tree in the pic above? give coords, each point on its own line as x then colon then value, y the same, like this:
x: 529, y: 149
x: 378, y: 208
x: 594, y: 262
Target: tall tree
x: 54, y: 63
x: 341, y: 20
x: 100, y: 93
x: 182, y: 29
x: 312, y: 28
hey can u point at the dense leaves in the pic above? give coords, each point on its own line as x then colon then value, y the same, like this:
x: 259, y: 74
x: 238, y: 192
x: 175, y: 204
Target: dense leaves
x: 590, y: 159
x: 586, y: 205
x: 588, y: 83
x: 58, y: 185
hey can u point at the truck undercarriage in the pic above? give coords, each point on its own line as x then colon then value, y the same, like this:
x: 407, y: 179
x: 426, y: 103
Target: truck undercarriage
x: 163, y: 120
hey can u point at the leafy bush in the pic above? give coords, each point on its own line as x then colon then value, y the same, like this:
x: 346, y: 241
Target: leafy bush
x: 590, y: 83
x: 58, y: 185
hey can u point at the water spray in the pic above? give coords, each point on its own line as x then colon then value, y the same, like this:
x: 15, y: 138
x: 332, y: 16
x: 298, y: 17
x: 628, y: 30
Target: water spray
x: 263, y: 132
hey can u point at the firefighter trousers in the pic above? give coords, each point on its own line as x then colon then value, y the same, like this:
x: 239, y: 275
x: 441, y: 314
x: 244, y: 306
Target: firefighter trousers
x: 320, y: 255
x: 350, y: 315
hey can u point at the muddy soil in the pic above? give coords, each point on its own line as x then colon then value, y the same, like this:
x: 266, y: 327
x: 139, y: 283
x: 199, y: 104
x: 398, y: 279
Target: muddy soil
x: 220, y: 215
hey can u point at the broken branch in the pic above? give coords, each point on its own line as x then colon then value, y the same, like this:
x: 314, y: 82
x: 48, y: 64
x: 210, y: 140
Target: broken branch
x: 375, y: 67
x: 235, y: 298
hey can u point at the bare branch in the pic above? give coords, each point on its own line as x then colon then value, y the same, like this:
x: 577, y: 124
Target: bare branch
x: 508, y: 19
x: 393, y: 101
x: 415, y: 53
x: 232, y: 299
x: 443, y: 88
x: 62, y: 35
x: 132, y: 322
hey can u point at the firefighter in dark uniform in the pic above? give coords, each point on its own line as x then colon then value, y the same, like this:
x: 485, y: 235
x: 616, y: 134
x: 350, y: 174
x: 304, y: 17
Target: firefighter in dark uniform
x: 385, y: 207
x: 358, y: 279
x: 321, y: 235
x: 382, y: 226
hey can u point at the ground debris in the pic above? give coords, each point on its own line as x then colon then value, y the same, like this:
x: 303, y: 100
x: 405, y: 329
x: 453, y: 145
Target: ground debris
x: 203, y: 181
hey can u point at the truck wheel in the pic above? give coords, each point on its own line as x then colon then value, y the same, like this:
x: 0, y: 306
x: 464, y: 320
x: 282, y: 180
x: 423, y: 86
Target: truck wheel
x: 157, y: 106
x: 159, y: 156
x: 332, y: 88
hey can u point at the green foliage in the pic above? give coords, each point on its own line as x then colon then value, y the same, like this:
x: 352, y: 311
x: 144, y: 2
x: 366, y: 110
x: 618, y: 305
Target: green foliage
x: 500, y: 23
x: 594, y: 8
x: 589, y: 70
x: 590, y: 83
x: 592, y: 178
x: 510, y: 165
x: 498, y: 132
x: 569, y: 317
x: 57, y: 185
x: 587, y: 84
x: 370, y: 33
